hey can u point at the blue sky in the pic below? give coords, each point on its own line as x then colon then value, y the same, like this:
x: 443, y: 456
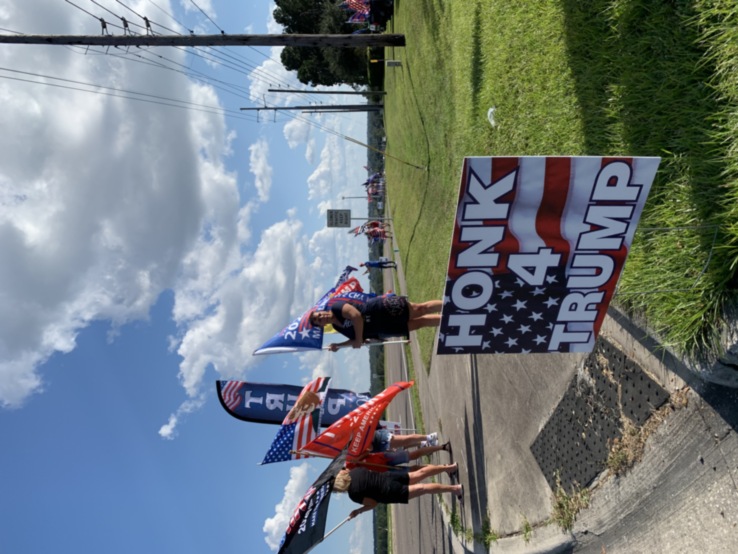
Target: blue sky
x: 146, y: 251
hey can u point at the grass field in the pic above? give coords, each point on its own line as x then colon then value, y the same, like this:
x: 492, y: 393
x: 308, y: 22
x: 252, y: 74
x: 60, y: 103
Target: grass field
x: 576, y: 77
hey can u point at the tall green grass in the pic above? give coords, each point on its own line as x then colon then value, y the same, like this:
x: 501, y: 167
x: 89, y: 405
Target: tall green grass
x: 602, y: 77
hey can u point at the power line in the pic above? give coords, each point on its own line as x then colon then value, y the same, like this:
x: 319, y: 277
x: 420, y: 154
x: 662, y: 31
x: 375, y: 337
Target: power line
x: 208, y: 52
x: 256, y: 71
x: 293, y: 40
x: 171, y: 17
x: 222, y: 32
x: 146, y: 97
x: 206, y: 55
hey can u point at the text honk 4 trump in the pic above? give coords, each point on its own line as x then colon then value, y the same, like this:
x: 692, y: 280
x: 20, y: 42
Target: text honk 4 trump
x: 538, y: 246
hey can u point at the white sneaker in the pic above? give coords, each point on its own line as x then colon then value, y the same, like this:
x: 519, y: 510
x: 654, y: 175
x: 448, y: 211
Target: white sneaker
x: 433, y: 439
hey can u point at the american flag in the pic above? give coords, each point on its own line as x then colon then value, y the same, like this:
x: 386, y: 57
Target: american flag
x: 360, y: 6
x: 517, y: 254
x: 230, y: 394
x: 294, y: 435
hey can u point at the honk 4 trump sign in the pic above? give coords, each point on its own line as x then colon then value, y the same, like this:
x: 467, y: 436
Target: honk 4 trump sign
x: 538, y: 246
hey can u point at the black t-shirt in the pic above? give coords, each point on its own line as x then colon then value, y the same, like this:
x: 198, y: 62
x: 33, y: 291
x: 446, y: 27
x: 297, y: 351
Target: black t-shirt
x: 390, y: 487
x: 384, y: 316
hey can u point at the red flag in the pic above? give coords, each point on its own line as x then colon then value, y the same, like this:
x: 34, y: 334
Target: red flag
x: 357, y: 426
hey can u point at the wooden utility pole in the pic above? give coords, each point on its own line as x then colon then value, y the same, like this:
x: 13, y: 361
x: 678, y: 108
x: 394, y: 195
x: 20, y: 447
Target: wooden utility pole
x: 335, y: 41
x: 363, y: 92
x: 335, y: 108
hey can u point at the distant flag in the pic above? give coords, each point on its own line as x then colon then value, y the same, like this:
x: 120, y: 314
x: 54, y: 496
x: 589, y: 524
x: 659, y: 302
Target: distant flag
x: 357, y: 428
x: 271, y: 403
x: 538, y: 246
x: 358, y: 18
x: 306, y: 527
x: 343, y: 277
x: 360, y: 6
x: 301, y: 425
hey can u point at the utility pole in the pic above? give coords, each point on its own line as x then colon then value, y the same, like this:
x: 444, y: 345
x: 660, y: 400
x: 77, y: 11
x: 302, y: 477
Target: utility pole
x: 363, y: 92
x: 335, y: 108
x: 336, y: 41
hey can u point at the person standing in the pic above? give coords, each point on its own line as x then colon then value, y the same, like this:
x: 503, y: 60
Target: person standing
x: 381, y: 263
x: 378, y: 318
x: 370, y: 488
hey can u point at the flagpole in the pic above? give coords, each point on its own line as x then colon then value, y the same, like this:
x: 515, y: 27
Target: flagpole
x: 309, y: 454
x: 403, y: 341
x: 327, y: 534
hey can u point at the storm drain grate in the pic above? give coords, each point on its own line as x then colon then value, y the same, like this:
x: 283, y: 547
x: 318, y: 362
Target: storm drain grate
x: 639, y: 394
x: 575, y: 440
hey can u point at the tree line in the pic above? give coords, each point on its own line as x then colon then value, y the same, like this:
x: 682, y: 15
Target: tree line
x: 320, y: 65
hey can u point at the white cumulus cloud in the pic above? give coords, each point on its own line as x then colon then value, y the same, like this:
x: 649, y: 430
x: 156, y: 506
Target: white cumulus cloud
x: 275, y: 526
x: 260, y: 167
x: 101, y: 201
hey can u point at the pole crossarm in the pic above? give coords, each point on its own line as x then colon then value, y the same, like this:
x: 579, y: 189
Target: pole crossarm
x: 337, y: 41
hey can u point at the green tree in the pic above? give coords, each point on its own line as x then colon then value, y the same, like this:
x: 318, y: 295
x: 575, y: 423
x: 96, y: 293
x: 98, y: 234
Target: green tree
x: 320, y: 66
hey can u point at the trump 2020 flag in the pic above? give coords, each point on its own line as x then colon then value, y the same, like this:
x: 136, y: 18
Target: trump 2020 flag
x: 301, y: 424
x: 307, y: 524
x: 271, y: 403
x: 538, y: 246
x: 300, y: 335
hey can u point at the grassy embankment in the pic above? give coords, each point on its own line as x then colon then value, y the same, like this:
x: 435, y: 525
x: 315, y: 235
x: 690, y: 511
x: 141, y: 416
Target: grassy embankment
x: 606, y: 77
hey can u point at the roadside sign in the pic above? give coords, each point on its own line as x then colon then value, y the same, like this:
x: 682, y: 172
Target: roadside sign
x: 339, y: 218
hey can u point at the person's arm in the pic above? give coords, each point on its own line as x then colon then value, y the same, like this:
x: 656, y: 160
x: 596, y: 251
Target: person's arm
x: 357, y: 321
x: 369, y: 504
x: 333, y: 347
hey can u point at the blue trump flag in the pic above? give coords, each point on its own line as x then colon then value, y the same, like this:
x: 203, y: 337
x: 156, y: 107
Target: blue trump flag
x: 301, y: 335
x: 270, y: 403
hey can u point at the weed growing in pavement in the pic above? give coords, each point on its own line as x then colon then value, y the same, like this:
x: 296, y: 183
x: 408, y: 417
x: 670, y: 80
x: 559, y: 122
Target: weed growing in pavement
x: 456, y: 522
x: 627, y: 450
x: 527, y: 530
x: 488, y: 535
x: 567, y: 506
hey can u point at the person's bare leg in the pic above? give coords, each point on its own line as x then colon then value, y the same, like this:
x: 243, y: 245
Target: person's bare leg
x: 429, y: 471
x: 424, y: 451
x: 424, y: 308
x: 432, y: 488
x: 406, y: 441
x: 433, y: 320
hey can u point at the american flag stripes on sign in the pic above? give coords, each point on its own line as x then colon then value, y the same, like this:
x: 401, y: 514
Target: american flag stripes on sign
x: 229, y: 393
x: 537, y: 250
x: 301, y: 425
